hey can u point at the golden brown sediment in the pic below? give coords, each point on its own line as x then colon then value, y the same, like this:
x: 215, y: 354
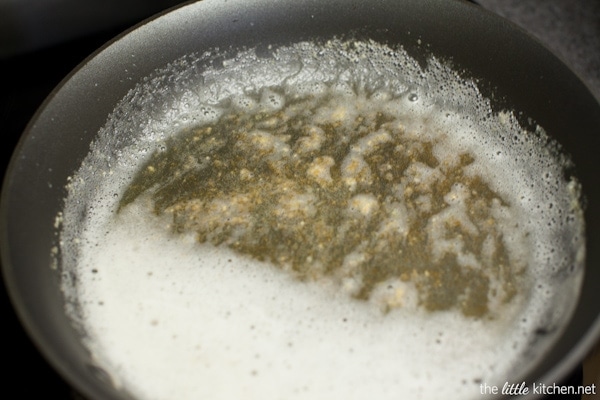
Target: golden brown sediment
x: 359, y: 202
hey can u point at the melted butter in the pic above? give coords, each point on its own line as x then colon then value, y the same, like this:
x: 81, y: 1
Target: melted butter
x: 348, y: 196
x: 365, y: 183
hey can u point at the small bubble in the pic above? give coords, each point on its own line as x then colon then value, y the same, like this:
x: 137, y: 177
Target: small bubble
x: 413, y: 97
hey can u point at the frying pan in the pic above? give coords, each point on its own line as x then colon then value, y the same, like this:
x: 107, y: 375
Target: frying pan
x: 512, y: 70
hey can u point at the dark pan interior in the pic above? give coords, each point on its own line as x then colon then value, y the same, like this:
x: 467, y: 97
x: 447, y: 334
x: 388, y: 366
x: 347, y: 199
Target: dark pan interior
x: 513, y: 70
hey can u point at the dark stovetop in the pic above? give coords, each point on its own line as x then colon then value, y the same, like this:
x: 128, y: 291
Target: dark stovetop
x: 28, y: 74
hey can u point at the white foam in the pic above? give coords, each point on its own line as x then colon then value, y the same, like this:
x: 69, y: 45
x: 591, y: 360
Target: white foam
x: 174, y: 320
x: 170, y: 319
